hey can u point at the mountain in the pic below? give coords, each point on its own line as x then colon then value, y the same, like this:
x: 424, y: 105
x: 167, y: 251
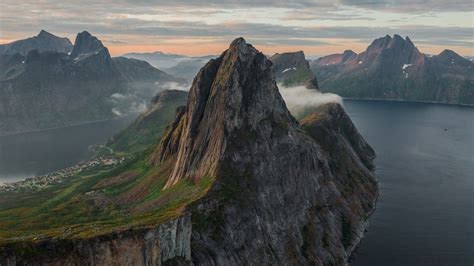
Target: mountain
x: 235, y: 180
x: 292, y: 69
x: 51, y: 89
x: 43, y: 42
x: 187, y: 69
x: 159, y: 59
x: 393, y: 68
x: 150, y: 125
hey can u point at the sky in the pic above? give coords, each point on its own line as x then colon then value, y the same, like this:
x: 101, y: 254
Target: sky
x: 195, y: 27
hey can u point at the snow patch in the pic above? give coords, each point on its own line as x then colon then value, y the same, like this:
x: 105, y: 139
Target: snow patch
x: 288, y: 69
x: 360, y: 62
x: 406, y: 65
x: 116, y: 112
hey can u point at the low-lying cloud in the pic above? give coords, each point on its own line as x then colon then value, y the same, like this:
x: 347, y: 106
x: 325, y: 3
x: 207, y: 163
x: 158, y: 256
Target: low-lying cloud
x: 175, y: 86
x: 300, y: 98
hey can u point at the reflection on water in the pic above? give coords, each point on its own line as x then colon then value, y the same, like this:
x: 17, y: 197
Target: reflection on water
x: 41, y: 152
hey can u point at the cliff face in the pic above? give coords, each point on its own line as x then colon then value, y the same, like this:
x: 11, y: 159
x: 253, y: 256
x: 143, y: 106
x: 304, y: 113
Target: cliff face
x: 393, y: 68
x: 166, y: 242
x: 283, y: 195
x: 271, y: 190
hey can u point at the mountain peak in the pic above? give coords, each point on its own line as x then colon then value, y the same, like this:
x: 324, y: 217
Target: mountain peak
x: 44, y: 33
x: 85, y: 43
x: 230, y: 94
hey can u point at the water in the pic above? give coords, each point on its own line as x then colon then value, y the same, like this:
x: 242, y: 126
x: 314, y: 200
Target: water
x: 425, y: 166
x: 41, y: 152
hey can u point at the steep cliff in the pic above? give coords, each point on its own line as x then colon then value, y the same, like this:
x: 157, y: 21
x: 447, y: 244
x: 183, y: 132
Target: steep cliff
x: 284, y: 194
x: 259, y: 187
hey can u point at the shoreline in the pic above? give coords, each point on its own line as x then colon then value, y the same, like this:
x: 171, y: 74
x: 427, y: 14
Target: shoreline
x: 405, y: 101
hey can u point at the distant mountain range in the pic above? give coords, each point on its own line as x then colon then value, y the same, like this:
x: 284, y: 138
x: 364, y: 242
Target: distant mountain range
x: 45, y: 83
x: 181, y: 66
x: 393, y: 68
x: 43, y: 42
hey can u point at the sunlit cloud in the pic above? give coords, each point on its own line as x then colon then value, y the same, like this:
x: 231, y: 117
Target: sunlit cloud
x: 197, y: 27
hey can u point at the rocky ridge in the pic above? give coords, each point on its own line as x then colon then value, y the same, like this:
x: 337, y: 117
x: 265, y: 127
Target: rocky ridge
x: 393, y: 68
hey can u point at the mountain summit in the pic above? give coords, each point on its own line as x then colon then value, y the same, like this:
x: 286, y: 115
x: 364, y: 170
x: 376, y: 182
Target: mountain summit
x: 277, y: 185
x: 43, y: 42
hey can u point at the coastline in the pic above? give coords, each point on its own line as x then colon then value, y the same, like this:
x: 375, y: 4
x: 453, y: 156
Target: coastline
x: 405, y: 101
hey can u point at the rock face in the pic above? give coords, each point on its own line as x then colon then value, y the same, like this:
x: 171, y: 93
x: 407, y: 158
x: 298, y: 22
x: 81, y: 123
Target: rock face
x: 86, y: 44
x: 50, y: 89
x: 393, y: 68
x: 292, y: 69
x: 167, y: 242
x: 284, y: 194
x: 43, y: 42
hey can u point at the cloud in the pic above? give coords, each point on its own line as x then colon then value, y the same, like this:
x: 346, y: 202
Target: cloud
x: 262, y: 22
x: 299, y: 98
x: 175, y: 86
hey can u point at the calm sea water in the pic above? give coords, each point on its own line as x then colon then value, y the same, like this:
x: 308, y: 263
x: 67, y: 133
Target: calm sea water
x: 425, y: 166
x: 42, y: 152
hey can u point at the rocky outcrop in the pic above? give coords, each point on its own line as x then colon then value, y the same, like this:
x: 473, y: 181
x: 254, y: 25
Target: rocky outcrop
x: 167, y: 243
x: 393, y: 68
x: 292, y: 69
x: 85, y: 44
x: 43, y: 42
x: 284, y: 194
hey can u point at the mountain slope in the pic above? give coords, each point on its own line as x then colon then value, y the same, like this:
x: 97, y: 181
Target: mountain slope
x: 238, y: 129
x: 148, y: 128
x: 292, y: 69
x: 393, y: 68
x: 43, y: 42
x: 235, y: 180
x: 50, y: 89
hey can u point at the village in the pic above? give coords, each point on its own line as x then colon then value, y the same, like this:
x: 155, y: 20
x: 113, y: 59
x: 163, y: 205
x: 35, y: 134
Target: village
x: 42, y: 181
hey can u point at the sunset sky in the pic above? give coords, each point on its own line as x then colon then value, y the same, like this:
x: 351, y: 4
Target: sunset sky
x: 206, y: 27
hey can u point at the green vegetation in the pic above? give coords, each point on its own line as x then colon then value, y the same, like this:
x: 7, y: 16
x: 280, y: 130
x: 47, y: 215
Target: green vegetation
x: 297, y: 77
x: 149, y: 127
x: 83, y: 206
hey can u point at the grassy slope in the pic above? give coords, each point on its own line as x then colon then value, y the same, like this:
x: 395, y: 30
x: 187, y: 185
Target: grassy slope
x: 70, y: 210
x: 148, y: 128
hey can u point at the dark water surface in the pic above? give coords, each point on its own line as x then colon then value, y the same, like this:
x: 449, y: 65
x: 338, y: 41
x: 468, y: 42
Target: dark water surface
x: 41, y: 152
x: 425, y: 166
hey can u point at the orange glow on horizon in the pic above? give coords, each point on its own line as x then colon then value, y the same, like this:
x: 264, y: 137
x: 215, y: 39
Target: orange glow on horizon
x: 218, y: 48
